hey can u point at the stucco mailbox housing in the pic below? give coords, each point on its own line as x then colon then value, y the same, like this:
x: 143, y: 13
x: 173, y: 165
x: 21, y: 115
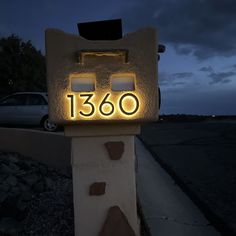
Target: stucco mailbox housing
x: 102, y: 81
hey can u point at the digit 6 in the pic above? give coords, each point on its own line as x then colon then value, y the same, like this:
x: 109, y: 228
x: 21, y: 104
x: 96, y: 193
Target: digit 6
x: 106, y: 103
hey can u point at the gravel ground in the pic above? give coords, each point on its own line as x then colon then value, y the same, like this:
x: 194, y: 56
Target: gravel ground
x: 37, y: 200
x: 34, y: 199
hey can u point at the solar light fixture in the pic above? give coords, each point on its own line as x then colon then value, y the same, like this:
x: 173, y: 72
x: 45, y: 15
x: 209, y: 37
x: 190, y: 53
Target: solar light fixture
x: 101, y: 30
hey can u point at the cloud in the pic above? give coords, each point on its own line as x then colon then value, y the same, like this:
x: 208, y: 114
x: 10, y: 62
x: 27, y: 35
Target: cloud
x: 218, y: 77
x: 183, y: 49
x: 182, y: 75
x: 221, y: 77
x: 175, y: 79
x: 203, y: 28
x: 206, y: 69
x: 164, y: 79
x: 207, y: 102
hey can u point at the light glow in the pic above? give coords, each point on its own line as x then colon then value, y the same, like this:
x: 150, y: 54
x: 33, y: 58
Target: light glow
x: 72, y: 105
x: 83, y: 82
x: 123, y: 82
x: 89, y: 106
x: 128, y: 104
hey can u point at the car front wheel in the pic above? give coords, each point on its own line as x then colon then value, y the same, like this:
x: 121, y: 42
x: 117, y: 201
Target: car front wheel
x: 47, y: 125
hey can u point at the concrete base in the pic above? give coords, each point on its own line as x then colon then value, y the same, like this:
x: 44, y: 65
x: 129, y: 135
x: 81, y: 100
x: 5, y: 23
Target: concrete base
x: 91, y: 164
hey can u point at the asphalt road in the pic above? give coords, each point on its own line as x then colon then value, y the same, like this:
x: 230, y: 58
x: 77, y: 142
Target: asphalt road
x: 202, y: 158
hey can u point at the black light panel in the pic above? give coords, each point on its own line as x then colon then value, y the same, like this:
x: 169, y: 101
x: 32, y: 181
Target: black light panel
x: 101, y: 30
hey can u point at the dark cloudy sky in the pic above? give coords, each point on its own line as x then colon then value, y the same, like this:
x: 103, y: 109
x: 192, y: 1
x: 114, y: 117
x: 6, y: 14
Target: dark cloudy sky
x: 197, y: 74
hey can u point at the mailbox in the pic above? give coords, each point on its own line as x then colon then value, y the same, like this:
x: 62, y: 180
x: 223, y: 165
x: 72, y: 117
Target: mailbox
x: 102, y: 81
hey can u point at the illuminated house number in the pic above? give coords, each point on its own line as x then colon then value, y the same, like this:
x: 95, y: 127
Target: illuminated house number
x: 106, y: 107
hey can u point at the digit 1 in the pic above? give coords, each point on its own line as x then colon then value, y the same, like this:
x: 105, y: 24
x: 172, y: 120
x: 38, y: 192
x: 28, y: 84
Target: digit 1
x: 71, y: 97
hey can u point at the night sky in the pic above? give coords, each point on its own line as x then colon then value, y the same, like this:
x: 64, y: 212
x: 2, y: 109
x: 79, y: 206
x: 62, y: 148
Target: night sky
x: 197, y: 73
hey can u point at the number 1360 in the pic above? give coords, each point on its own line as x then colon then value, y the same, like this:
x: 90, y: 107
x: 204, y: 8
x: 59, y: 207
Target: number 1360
x: 105, y: 107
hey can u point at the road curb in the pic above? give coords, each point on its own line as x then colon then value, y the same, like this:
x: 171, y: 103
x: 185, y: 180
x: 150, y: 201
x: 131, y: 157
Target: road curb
x: 215, y: 221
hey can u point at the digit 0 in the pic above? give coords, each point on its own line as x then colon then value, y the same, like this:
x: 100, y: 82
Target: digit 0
x: 126, y: 97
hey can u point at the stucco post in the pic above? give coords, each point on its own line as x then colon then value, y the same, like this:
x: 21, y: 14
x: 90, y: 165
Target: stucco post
x: 103, y: 163
x: 100, y: 91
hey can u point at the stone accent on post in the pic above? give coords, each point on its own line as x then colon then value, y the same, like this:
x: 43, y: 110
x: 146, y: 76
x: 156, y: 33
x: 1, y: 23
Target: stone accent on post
x: 116, y: 224
x: 115, y: 150
x: 101, y: 182
x: 97, y: 189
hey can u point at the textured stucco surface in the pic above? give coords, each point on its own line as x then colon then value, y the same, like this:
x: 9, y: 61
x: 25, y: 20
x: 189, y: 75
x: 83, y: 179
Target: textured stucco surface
x: 91, y: 163
x: 68, y: 55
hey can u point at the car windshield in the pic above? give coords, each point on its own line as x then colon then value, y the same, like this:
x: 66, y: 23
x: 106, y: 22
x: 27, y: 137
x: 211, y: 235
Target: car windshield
x: 36, y: 99
x: 14, y: 100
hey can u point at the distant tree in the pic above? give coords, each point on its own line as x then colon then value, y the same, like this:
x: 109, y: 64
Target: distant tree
x: 22, y: 66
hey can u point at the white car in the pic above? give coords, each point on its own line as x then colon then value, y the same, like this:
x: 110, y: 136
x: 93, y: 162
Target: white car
x: 26, y: 108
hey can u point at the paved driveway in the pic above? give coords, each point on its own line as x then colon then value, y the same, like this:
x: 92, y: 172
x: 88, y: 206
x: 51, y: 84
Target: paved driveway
x: 203, y: 156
